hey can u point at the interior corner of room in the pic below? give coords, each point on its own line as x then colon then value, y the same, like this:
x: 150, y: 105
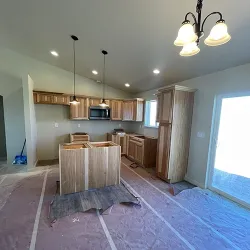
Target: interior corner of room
x: 124, y: 120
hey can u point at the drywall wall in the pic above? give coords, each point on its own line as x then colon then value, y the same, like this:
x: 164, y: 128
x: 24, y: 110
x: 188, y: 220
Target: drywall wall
x: 234, y: 80
x: 50, y: 78
x: 12, y: 92
x: 30, y: 120
x: 49, y: 136
x: 3, y: 152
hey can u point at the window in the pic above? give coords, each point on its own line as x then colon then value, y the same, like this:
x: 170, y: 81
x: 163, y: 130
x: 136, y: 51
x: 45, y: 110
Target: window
x: 150, y: 115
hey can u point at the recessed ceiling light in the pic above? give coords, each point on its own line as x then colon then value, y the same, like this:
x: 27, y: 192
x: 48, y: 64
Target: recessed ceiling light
x: 54, y: 53
x: 127, y: 85
x: 94, y: 72
x: 156, y: 71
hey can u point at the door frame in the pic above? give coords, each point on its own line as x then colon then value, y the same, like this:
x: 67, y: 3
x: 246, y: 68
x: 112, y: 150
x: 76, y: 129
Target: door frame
x: 213, y: 144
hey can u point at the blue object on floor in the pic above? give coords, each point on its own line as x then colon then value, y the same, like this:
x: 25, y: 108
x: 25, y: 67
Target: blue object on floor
x: 20, y: 159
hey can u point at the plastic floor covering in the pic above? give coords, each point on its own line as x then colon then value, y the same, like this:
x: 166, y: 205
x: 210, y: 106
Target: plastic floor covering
x: 194, y: 219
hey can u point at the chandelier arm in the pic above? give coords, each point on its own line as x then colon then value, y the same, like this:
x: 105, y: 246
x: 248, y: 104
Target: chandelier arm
x: 213, y: 13
x: 190, y: 13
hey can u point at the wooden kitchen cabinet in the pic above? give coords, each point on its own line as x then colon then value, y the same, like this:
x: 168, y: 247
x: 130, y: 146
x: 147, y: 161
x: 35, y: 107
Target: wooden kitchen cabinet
x: 116, y: 110
x: 44, y: 98
x: 96, y: 101
x: 142, y: 150
x: 118, y: 139
x: 80, y: 111
x: 61, y: 99
x: 133, y: 110
x: 158, y: 110
x: 174, y: 132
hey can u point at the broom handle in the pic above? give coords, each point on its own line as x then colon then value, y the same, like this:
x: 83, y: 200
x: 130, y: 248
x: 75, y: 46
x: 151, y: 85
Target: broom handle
x: 23, y: 147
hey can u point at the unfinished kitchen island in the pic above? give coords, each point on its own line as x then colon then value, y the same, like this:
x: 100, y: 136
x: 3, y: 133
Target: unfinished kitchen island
x: 88, y: 165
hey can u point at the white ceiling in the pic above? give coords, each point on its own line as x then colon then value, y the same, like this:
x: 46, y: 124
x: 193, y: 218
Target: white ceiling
x: 138, y: 34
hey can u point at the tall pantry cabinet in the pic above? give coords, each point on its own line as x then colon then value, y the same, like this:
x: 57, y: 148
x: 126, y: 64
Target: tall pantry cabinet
x: 175, y: 109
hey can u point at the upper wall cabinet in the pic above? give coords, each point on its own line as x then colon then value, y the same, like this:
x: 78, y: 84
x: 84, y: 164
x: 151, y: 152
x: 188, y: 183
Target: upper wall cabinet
x: 116, y: 110
x: 133, y: 110
x: 158, y: 111
x: 166, y: 106
x: 128, y: 110
x: 51, y: 98
x: 80, y: 111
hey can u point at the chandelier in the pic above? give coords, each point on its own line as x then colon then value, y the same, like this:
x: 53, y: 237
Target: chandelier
x: 189, y: 34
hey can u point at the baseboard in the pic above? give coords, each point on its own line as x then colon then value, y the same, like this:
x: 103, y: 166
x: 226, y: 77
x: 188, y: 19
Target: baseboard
x: 194, y: 182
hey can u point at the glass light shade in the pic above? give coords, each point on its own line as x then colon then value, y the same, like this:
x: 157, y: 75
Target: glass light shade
x: 74, y: 101
x: 190, y: 49
x: 103, y: 104
x: 186, y: 35
x: 218, y: 35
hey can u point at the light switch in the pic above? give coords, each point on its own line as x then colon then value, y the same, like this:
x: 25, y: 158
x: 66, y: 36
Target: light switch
x: 201, y: 135
x: 120, y: 125
x: 56, y: 125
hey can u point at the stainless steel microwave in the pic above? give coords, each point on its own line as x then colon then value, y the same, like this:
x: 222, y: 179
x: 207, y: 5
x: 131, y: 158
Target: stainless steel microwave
x: 99, y: 113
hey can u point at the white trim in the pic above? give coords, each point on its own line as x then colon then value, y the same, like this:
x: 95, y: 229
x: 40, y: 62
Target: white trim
x: 38, y: 213
x: 106, y: 231
x: 160, y: 217
x: 188, y: 211
x: 4, y: 177
x: 194, y: 182
x: 230, y: 197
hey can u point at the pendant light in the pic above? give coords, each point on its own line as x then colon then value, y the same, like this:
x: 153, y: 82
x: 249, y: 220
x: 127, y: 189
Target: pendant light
x: 190, y: 35
x: 74, y: 100
x: 103, y: 102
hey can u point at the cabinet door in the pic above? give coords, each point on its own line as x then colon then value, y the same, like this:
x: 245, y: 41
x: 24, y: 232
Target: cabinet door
x: 166, y: 107
x: 159, y: 106
x: 128, y: 111
x: 80, y: 110
x: 116, y: 110
x: 61, y: 99
x: 44, y: 98
x: 163, y: 151
x: 131, y: 149
x: 139, y: 153
x: 94, y: 101
x: 138, y: 110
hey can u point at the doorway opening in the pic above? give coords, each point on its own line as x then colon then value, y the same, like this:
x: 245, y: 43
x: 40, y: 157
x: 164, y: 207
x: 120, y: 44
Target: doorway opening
x: 230, y: 168
x: 3, y: 151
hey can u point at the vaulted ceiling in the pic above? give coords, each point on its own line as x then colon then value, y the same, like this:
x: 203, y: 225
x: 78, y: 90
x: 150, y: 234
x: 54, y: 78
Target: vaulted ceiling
x: 138, y: 34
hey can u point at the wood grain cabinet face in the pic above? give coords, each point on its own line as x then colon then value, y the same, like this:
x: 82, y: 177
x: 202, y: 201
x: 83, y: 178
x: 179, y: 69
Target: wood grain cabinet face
x: 166, y: 107
x: 44, y: 98
x: 128, y: 111
x: 116, y: 110
x: 159, y: 107
x: 135, y: 151
x: 61, y: 99
x: 138, y: 110
x: 163, y: 150
x: 80, y: 111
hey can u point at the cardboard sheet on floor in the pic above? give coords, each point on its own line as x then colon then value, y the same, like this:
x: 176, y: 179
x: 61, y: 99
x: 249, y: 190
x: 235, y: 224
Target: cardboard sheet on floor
x: 101, y: 199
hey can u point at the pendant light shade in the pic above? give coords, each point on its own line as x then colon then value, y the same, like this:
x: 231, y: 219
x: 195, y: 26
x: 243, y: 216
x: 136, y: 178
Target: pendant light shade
x: 218, y: 35
x: 190, y: 49
x: 186, y: 35
x: 103, y: 102
x: 74, y: 100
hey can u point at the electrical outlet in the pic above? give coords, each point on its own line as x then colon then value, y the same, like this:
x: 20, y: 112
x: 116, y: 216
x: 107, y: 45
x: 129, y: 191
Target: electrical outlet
x: 79, y: 125
x: 56, y: 125
x: 201, y: 135
x: 120, y: 125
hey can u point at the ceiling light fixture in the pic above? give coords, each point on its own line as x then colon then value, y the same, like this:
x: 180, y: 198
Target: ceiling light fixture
x: 74, y: 100
x: 127, y: 85
x: 54, y: 53
x: 94, y: 72
x: 156, y: 71
x: 189, y: 34
x: 103, y: 103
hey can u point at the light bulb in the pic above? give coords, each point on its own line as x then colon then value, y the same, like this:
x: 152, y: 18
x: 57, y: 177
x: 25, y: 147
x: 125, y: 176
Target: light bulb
x: 74, y: 101
x: 190, y: 49
x: 186, y: 35
x: 218, y: 35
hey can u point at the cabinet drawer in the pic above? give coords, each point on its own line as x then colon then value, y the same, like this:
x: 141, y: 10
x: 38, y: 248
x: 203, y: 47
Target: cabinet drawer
x: 138, y: 143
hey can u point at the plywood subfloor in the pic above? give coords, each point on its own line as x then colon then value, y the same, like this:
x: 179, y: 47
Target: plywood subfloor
x: 194, y: 219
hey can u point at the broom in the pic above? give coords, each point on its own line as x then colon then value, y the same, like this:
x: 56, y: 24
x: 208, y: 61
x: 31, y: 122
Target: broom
x: 20, y: 159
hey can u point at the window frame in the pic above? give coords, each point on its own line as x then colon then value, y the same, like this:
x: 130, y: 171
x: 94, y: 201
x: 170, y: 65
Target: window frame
x: 147, y: 114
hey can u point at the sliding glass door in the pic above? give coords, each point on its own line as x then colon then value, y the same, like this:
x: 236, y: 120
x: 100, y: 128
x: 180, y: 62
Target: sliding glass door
x: 230, y: 159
